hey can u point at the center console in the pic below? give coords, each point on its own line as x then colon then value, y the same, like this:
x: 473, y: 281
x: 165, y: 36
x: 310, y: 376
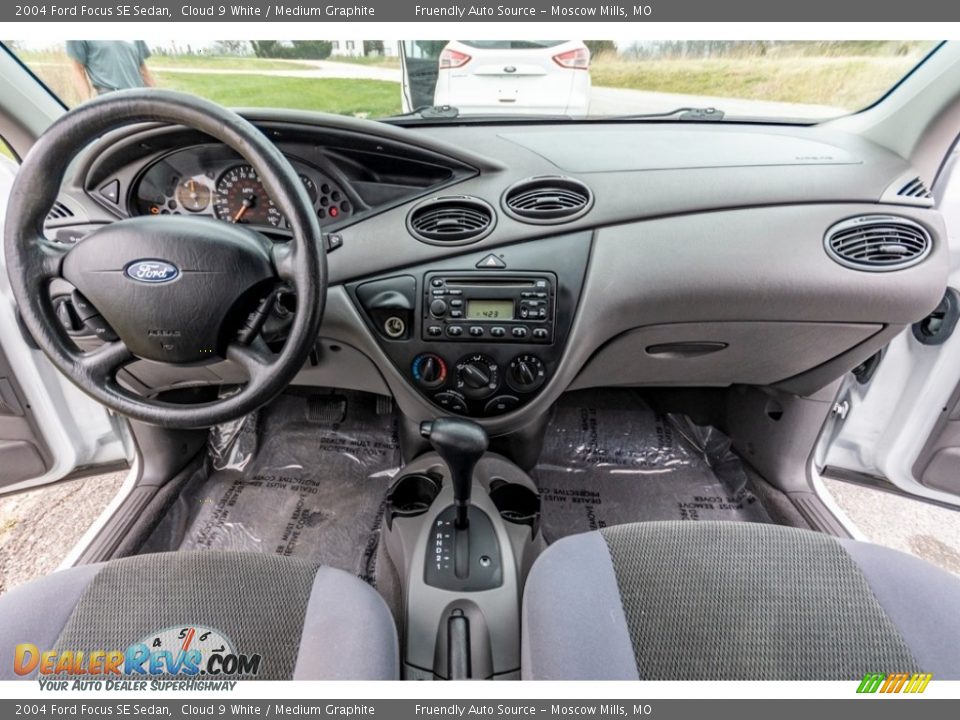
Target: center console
x: 480, y: 334
x: 461, y: 526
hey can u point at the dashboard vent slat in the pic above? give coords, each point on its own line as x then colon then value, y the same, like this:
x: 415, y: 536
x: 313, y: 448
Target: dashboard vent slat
x: 451, y: 220
x: 878, y: 242
x: 915, y: 188
x: 547, y: 200
x: 59, y: 211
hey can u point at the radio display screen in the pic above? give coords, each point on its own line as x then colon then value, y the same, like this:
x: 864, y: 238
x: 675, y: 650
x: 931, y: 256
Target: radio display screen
x: 489, y: 309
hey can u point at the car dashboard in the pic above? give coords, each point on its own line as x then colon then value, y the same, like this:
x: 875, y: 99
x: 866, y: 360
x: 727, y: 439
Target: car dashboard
x: 483, y: 269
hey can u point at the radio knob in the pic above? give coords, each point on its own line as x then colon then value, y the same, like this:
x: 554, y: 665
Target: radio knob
x: 438, y: 308
x: 526, y: 373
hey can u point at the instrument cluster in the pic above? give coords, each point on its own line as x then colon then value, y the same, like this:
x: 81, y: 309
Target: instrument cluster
x: 205, y: 182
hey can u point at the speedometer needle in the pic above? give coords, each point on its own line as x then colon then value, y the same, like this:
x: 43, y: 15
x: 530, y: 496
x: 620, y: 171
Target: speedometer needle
x: 247, y: 204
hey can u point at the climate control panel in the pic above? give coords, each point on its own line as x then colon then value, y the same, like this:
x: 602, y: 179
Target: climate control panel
x: 474, y: 339
x: 476, y: 383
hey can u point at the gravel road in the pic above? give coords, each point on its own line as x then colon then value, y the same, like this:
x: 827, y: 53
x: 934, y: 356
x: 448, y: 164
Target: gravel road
x: 38, y: 528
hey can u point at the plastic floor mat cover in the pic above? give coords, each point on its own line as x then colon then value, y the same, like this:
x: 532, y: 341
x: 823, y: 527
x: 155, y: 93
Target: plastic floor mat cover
x: 609, y: 459
x: 305, y: 477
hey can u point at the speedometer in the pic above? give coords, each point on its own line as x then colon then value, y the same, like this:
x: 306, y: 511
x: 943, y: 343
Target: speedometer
x: 242, y: 198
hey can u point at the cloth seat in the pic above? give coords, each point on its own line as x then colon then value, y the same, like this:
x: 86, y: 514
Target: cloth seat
x: 734, y: 601
x: 305, y: 621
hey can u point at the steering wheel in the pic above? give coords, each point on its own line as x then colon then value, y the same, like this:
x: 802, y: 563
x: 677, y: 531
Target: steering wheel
x: 175, y: 290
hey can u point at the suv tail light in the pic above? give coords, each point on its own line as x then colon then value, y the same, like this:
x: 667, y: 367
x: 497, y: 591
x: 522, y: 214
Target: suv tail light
x: 578, y: 59
x: 450, y: 59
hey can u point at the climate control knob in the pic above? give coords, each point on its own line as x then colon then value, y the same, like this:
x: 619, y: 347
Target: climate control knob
x: 478, y: 376
x: 429, y: 370
x: 526, y: 373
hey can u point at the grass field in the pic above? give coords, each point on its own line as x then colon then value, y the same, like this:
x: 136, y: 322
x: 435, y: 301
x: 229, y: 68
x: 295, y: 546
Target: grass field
x: 373, y: 98
x: 851, y: 82
x: 371, y: 61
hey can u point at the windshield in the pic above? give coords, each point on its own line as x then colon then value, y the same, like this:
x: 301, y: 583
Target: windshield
x: 774, y: 80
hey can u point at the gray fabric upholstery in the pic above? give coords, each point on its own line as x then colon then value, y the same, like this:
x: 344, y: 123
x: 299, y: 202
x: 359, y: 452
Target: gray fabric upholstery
x: 713, y: 600
x: 264, y: 604
x: 37, y: 612
x: 740, y: 601
x: 921, y: 600
x: 257, y: 600
x: 573, y: 622
x: 348, y: 632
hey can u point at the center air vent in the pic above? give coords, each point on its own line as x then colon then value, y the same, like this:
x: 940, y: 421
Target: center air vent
x: 878, y: 242
x: 547, y: 200
x: 451, y: 220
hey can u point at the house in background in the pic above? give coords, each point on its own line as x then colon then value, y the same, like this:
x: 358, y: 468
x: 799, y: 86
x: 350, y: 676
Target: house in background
x: 361, y: 48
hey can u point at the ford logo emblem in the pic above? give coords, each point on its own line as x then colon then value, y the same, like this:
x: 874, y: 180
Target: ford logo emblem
x: 151, y: 271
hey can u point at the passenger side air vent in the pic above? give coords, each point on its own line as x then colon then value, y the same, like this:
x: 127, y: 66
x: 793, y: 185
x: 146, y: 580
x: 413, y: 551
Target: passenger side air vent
x: 59, y: 211
x: 547, y: 200
x: 451, y: 220
x: 878, y: 243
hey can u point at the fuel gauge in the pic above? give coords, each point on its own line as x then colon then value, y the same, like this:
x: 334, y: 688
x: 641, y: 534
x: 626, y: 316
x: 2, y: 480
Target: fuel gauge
x: 193, y: 196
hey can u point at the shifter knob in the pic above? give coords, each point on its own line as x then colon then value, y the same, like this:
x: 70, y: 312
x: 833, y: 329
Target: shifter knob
x: 461, y: 443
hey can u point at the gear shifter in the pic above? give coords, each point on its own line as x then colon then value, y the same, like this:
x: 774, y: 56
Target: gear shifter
x: 461, y: 443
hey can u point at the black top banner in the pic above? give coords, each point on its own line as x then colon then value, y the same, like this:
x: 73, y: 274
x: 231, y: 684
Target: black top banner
x: 419, y: 11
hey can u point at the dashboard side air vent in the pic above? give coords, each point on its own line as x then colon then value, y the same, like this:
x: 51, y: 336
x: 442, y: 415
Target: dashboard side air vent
x: 878, y: 242
x: 547, y: 200
x: 908, y: 189
x: 915, y: 188
x: 451, y: 220
x: 59, y: 211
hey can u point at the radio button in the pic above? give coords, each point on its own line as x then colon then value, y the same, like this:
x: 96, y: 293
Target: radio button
x: 438, y: 308
x: 476, y: 331
x: 434, y: 330
x: 437, y: 282
x: 456, y: 313
x: 540, y: 333
x: 519, y: 332
x: 497, y: 332
x: 456, y: 302
x: 454, y: 331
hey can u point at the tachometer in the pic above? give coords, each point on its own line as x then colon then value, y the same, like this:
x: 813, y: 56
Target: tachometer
x: 242, y: 198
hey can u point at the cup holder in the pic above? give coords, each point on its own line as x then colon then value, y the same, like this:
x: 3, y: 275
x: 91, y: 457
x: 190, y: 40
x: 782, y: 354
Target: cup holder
x: 516, y: 503
x: 412, y: 495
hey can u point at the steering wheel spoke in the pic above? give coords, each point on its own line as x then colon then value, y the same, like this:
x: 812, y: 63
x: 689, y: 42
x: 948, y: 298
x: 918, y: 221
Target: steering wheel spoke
x: 256, y: 357
x: 282, y: 255
x: 102, y: 364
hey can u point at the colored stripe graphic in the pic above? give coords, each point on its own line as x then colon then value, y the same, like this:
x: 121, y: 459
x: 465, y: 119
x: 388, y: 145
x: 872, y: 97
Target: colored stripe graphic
x: 893, y: 683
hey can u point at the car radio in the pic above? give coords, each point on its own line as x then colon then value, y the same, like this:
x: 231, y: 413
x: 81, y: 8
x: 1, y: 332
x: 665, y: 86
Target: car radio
x: 506, y: 307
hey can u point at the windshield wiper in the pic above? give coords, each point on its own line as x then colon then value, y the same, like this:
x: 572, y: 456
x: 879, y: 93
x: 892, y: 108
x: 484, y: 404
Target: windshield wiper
x: 681, y: 113
x: 445, y: 112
